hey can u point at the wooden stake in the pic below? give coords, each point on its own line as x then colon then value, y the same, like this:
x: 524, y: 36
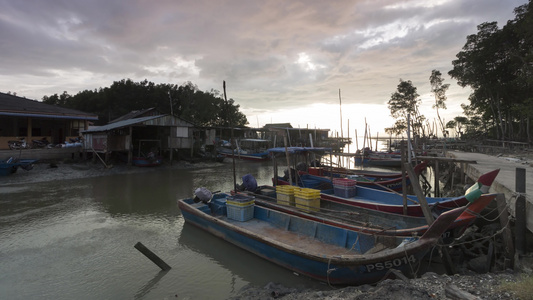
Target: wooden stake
x: 154, y: 258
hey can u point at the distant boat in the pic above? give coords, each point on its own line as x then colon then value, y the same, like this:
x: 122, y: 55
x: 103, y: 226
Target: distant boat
x: 140, y: 161
x: 331, y: 254
x: 11, y: 165
x: 367, y: 157
x: 152, y: 159
x: 247, y: 149
x: 377, y: 180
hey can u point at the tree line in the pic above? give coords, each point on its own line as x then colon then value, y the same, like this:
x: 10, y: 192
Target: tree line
x: 497, y: 65
x: 187, y: 101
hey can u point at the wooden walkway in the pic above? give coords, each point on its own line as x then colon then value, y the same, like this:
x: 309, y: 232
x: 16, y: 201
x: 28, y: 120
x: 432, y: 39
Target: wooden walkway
x: 505, y: 182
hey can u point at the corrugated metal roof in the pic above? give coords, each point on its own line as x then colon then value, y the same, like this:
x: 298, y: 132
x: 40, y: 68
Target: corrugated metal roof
x: 35, y: 115
x: 11, y: 105
x: 120, y: 124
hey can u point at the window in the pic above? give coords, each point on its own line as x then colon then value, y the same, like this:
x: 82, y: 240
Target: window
x: 182, y: 132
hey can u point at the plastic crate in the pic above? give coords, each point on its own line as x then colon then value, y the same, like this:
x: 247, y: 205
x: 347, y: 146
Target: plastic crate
x: 307, y: 200
x: 240, y: 198
x: 240, y: 203
x: 311, y: 183
x: 344, y: 191
x: 307, y: 193
x: 240, y: 213
x: 285, y: 194
x: 344, y: 182
x: 318, y: 171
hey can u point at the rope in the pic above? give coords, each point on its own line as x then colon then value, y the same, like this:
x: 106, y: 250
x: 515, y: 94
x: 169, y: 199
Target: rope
x: 334, y: 269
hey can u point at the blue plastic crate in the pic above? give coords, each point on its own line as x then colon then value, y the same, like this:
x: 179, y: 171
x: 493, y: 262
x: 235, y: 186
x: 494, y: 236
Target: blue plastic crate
x: 240, y: 213
x: 240, y: 198
x: 344, y: 191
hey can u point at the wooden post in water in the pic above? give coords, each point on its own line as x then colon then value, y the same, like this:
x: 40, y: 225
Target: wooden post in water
x: 520, y: 224
x: 154, y: 258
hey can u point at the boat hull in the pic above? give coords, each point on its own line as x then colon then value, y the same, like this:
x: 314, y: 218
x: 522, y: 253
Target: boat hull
x: 332, y: 264
x: 373, y: 221
x: 145, y: 162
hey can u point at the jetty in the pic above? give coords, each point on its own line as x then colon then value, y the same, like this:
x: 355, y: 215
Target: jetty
x: 514, y: 180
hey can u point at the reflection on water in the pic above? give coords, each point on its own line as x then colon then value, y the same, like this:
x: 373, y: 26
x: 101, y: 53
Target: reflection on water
x: 73, y: 239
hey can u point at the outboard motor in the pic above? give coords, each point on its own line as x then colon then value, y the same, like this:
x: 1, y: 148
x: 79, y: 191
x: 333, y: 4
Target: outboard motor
x: 202, y: 194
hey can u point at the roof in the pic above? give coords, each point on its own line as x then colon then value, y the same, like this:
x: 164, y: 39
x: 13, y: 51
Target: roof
x: 278, y: 125
x: 296, y: 150
x: 11, y: 105
x: 120, y: 124
x: 136, y: 114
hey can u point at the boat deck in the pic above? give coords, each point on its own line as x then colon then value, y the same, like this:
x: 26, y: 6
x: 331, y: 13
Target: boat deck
x: 291, y: 239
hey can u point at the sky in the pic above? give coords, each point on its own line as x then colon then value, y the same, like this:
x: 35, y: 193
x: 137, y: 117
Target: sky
x: 311, y: 63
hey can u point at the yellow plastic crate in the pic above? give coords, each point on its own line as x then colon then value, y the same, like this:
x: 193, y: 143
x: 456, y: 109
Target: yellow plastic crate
x: 306, y: 193
x: 285, y: 194
x: 308, y: 205
x: 285, y: 199
x: 307, y: 200
x: 236, y: 203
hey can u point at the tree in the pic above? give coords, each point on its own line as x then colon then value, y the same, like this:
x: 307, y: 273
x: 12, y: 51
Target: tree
x: 186, y: 101
x: 498, y: 65
x: 457, y: 124
x: 438, y: 88
x: 405, y: 102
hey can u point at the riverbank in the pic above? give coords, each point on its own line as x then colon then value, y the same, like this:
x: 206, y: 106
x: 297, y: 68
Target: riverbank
x: 47, y: 171
x: 428, y: 286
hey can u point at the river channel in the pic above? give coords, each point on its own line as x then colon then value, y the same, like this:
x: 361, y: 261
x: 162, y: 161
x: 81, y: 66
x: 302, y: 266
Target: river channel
x: 74, y: 239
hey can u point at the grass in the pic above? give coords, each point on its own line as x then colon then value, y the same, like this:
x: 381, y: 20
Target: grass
x: 522, y: 288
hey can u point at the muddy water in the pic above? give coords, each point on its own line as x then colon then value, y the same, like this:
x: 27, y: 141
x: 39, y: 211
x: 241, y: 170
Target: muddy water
x: 74, y: 238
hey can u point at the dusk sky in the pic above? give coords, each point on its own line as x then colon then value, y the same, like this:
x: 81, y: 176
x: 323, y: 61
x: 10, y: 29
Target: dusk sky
x: 283, y: 61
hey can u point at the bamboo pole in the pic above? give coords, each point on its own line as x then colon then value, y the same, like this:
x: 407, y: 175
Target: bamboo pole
x: 448, y: 264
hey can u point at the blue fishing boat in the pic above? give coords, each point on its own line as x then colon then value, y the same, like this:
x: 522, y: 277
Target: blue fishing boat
x: 367, y: 220
x: 246, y: 149
x: 367, y: 157
x: 331, y: 254
x: 141, y: 161
x: 394, y: 202
x: 11, y: 165
x: 375, y: 181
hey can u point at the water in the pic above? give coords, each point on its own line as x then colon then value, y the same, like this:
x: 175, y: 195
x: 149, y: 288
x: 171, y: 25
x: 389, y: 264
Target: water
x: 73, y: 239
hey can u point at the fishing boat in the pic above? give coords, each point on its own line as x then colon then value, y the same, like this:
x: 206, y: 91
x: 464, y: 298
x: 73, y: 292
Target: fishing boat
x: 247, y: 149
x: 338, y: 256
x: 152, y: 158
x: 326, y: 183
x: 365, y: 219
x: 375, y: 180
x: 367, y: 157
x: 330, y: 171
x: 11, y: 165
x: 394, y: 202
x: 141, y: 161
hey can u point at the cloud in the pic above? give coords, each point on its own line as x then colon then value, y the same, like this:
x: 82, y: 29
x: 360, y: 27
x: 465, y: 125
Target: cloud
x: 270, y: 53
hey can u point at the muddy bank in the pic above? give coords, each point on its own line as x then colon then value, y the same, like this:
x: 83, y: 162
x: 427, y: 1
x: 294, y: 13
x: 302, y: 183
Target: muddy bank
x: 429, y: 286
x: 51, y: 171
